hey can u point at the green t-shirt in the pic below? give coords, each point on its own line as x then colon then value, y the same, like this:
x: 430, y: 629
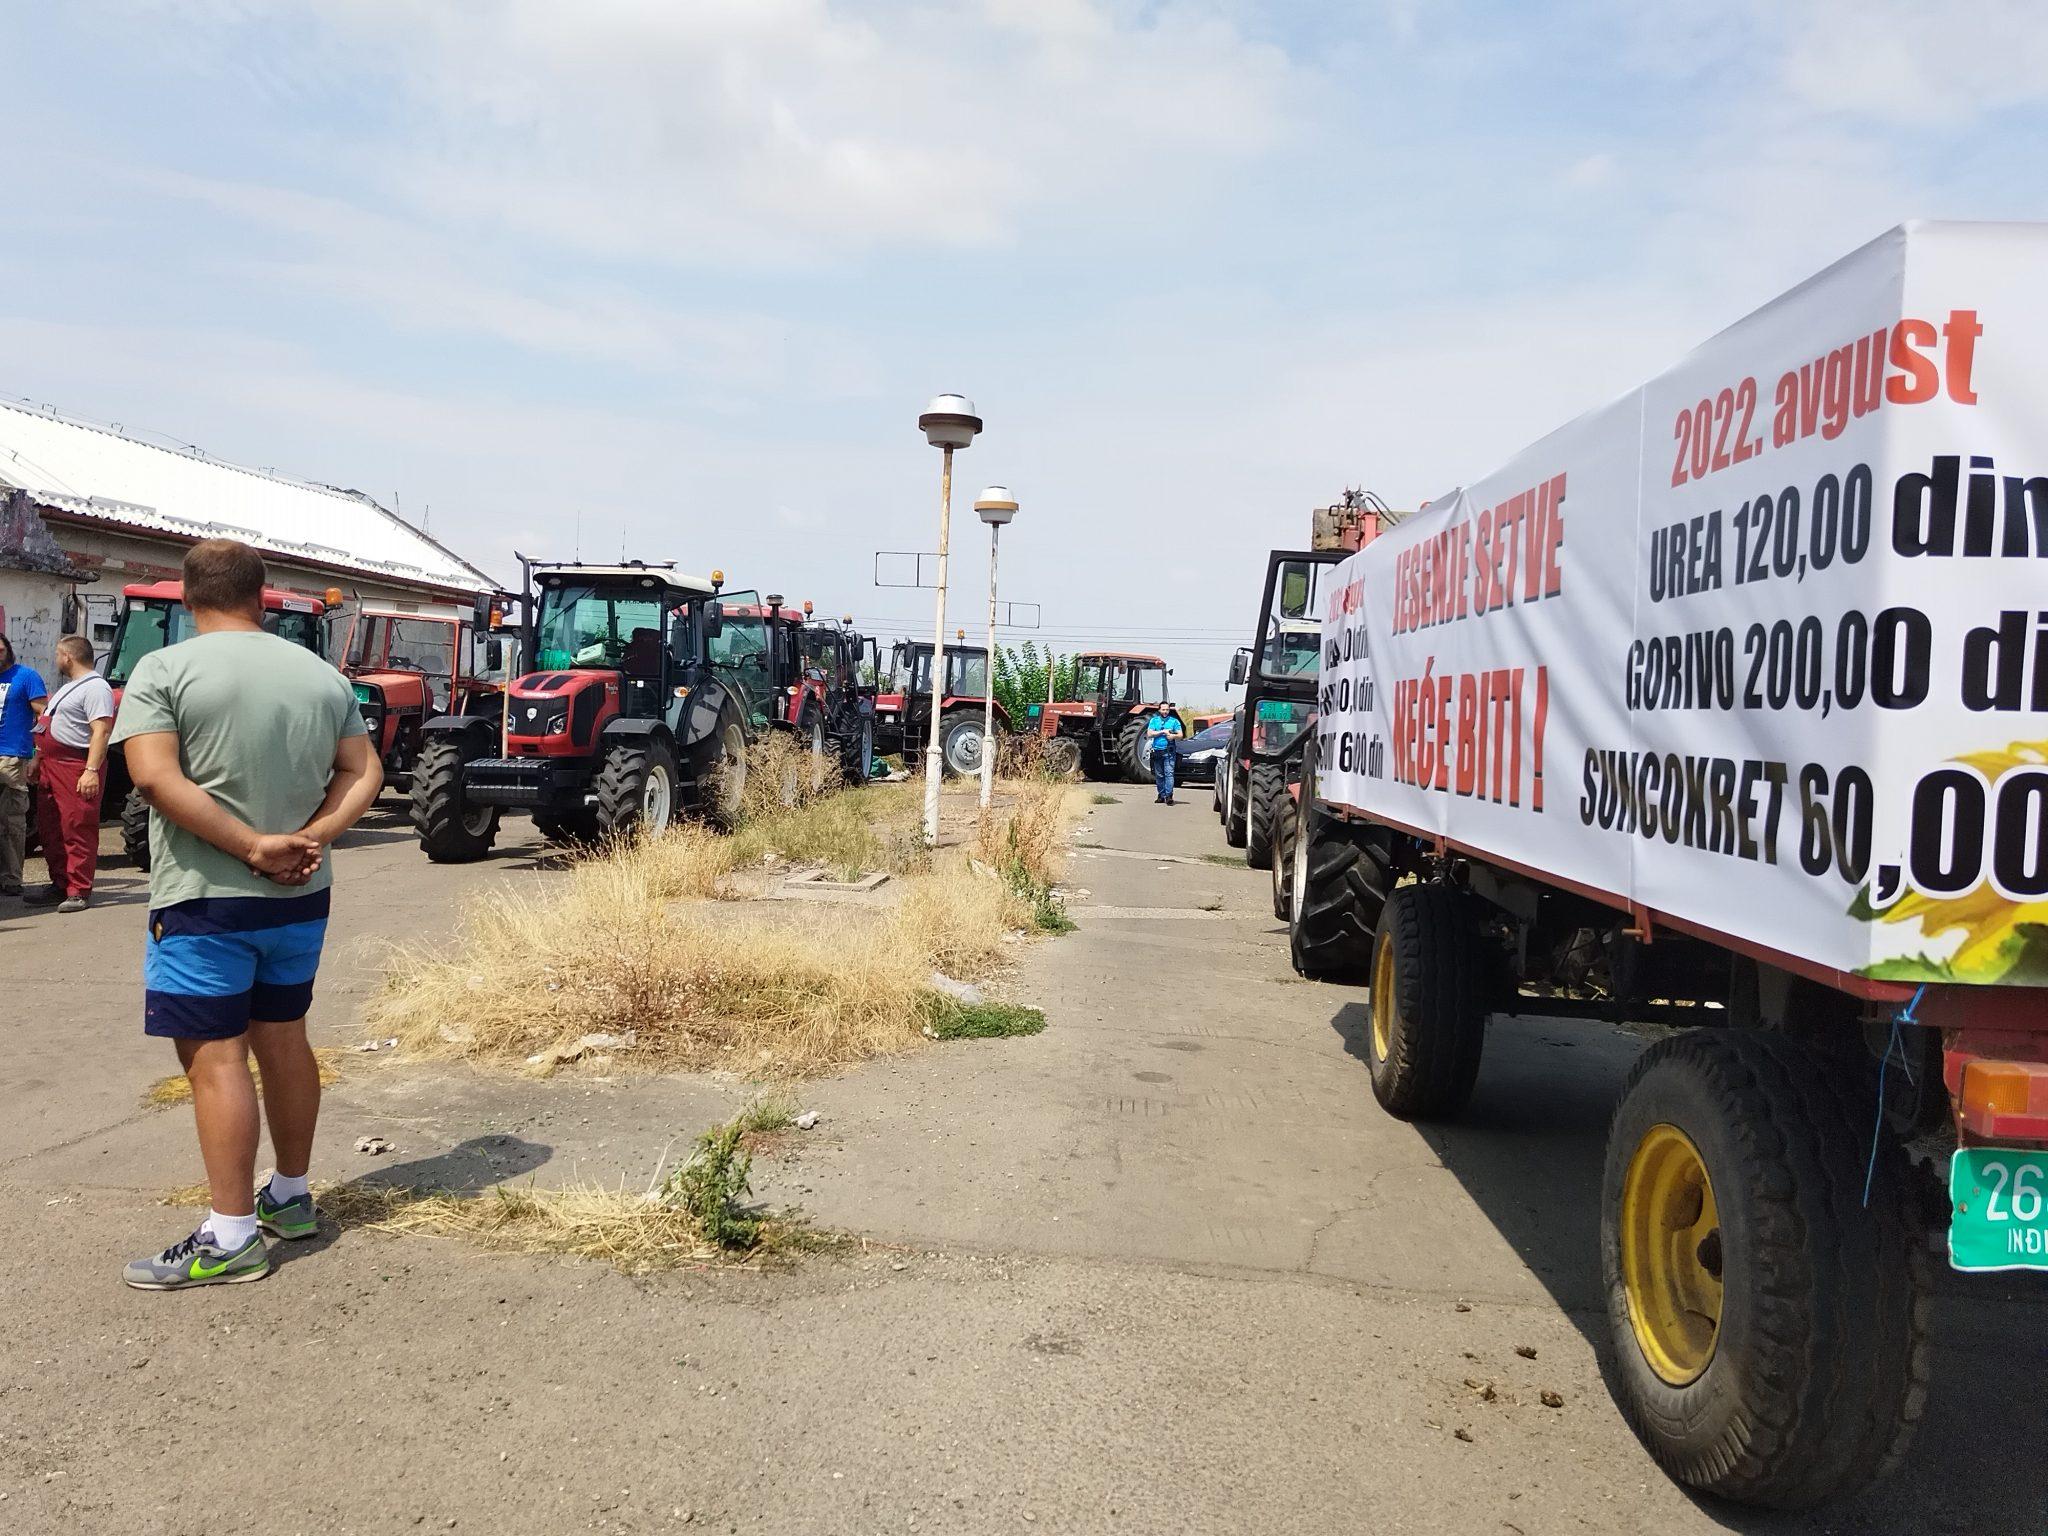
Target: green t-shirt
x: 258, y: 720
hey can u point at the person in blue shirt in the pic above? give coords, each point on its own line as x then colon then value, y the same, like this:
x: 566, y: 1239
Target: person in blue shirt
x: 1161, y: 728
x: 21, y: 701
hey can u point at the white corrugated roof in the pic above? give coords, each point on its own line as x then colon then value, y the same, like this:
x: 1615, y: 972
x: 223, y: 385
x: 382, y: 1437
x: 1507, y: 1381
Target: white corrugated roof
x: 78, y: 467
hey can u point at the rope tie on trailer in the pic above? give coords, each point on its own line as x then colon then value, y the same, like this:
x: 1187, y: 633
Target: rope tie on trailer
x: 1906, y: 1015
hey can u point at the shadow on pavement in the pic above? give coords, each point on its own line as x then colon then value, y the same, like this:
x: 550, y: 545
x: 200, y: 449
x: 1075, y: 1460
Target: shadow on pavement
x: 1529, y: 1150
x: 467, y: 1168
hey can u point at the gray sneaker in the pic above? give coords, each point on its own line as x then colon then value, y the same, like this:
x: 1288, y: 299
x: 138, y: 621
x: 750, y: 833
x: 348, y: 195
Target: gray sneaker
x: 73, y: 904
x: 286, y: 1219
x: 197, y: 1260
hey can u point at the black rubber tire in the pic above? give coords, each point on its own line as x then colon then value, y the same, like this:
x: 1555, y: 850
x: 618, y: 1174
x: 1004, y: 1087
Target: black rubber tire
x: 1285, y: 830
x: 1062, y: 757
x: 1234, y: 829
x: 1436, y: 1017
x: 1338, y: 887
x: 1131, y: 751
x: 715, y: 799
x: 955, y: 728
x: 857, y: 752
x: 622, y: 787
x: 1820, y: 1366
x: 812, y: 733
x: 448, y: 830
x: 1265, y: 795
x: 135, y: 830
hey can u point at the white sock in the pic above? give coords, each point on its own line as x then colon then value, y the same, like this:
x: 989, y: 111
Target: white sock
x: 230, y: 1232
x: 283, y: 1187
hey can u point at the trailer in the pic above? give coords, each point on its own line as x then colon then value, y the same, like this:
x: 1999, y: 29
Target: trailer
x: 1725, y: 707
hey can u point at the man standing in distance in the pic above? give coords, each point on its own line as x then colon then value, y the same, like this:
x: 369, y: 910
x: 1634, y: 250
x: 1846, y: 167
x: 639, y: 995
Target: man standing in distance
x: 1162, y: 728
x: 21, y: 701
x: 71, y: 755
x: 251, y: 753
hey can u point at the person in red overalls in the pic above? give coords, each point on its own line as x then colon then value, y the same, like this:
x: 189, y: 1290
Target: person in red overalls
x: 71, y: 754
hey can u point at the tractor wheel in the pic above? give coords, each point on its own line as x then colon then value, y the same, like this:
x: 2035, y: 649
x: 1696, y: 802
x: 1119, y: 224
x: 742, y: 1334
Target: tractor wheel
x: 1337, y: 889
x: 1265, y: 795
x: 1234, y: 829
x: 1062, y: 757
x: 960, y: 745
x: 1093, y: 767
x: 722, y: 789
x: 1285, y: 830
x: 636, y: 789
x: 574, y: 829
x: 1132, y: 751
x: 135, y: 830
x: 450, y: 829
x: 1768, y: 1318
x: 820, y: 753
x: 855, y: 759
x: 1428, y: 1003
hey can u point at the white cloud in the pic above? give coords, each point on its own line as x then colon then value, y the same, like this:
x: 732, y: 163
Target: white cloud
x: 781, y: 128
x: 1935, y: 62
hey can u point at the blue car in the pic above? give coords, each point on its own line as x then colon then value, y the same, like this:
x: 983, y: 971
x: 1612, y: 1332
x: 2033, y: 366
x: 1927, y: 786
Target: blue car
x: 1195, y: 757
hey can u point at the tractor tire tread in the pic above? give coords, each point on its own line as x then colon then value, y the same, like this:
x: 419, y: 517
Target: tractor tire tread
x: 1265, y: 794
x: 1439, y: 1026
x: 1837, y: 1376
x: 436, y: 806
x: 135, y: 830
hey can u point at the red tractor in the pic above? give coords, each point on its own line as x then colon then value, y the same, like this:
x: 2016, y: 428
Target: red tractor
x: 636, y: 710
x: 903, y: 706
x: 409, y: 665
x: 1101, y: 730
x: 850, y: 664
x: 154, y: 615
x: 762, y: 645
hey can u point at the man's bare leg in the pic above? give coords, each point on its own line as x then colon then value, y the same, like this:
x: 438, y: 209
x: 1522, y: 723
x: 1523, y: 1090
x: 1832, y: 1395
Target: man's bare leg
x: 224, y: 1106
x: 291, y: 1092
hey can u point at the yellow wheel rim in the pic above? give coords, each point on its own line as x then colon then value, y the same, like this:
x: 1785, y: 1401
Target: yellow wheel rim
x: 1383, y: 999
x: 1671, y: 1254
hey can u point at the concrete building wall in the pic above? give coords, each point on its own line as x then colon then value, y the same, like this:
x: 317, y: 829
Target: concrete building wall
x: 31, y: 614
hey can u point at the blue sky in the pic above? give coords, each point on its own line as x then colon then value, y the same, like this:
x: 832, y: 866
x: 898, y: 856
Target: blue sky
x: 689, y: 270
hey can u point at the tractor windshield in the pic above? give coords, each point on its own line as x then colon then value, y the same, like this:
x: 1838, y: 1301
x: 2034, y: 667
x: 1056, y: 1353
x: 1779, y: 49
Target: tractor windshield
x: 740, y: 652
x: 151, y: 623
x: 1149, y: 683
x: 593, y: 626
x: 1093, y: 676
x: 403, y: 644
x: 967, y: 674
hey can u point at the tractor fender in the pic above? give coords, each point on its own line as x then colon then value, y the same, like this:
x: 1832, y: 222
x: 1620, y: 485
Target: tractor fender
x: 697, y: 720
x: 460, y: 725
x: 622, y: 726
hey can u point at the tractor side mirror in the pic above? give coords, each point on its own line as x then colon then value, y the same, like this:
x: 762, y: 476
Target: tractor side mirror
x: 480, y: 613
x: 1240, y: 668
x: 494, y: 655
x: 714, y: 620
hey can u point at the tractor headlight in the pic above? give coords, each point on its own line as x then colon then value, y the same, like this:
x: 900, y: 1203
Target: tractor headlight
x: 557, y: 722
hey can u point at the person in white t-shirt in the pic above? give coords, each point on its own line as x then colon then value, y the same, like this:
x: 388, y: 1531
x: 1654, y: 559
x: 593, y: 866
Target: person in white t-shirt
x: 71, y: 756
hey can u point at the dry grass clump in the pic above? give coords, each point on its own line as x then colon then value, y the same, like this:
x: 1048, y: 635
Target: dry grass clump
x: 783, y: 776
x: 851, y: 834
x: 610, y: 952
x: 169, y: 1091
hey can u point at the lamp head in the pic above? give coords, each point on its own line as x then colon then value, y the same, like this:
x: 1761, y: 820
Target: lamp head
x: 995, y: 506
x: 949, y: 422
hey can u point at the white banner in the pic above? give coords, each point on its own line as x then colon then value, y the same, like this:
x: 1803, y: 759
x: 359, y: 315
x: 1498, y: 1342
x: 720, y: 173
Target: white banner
x: 1761, y: 647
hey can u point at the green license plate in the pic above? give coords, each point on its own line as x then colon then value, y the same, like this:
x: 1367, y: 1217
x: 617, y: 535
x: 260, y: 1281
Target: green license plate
x: 1998, y: 1209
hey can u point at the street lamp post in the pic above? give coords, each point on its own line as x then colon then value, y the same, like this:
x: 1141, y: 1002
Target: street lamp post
x: 995, y: 506
x: 948, y: 422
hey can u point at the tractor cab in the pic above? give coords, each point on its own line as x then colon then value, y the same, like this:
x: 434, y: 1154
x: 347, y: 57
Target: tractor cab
x: 1101, y: 729
x: 411, y: 663
x: 761, y: 648
x: 636, y: 710
x: 903, y: 705
x: 849, y: 665
x: 153, y: 615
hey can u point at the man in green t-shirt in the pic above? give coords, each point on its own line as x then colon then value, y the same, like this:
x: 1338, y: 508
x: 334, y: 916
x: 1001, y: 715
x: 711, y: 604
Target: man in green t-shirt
x: 251, y: 753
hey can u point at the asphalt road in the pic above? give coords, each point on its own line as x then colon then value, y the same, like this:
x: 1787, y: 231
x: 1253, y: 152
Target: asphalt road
x: 1163, y: 1268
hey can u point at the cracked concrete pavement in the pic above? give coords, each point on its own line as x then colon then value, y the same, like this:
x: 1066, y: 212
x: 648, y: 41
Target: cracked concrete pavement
x: 1163, y: 1268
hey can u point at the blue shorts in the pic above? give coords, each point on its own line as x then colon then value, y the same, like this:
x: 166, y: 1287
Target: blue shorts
x: 217, y: 964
